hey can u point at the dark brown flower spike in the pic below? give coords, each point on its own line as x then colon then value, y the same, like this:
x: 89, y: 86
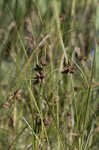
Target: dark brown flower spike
x: 40, y: 78
x: 68, y: 69
x: 38, y: 68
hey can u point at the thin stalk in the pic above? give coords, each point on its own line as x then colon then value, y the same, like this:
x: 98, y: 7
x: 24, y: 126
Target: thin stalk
x: 72, y: 23
x: 22, y: 44
x: 89, y: 91
x: 57, y: 103
x: 59, y: 29
x: 33, y: 135
x: 41, y: 117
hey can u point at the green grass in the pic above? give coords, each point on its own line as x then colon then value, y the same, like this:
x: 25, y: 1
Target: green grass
x: 48, y: 93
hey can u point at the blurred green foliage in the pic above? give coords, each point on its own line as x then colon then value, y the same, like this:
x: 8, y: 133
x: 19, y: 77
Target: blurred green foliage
x: 45, y: 102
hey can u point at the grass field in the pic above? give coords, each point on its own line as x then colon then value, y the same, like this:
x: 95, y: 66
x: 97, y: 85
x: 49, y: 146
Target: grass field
x: 49, y: 75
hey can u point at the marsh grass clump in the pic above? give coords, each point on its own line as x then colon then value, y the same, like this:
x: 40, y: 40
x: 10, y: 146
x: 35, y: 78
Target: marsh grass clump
x: 49, y: 75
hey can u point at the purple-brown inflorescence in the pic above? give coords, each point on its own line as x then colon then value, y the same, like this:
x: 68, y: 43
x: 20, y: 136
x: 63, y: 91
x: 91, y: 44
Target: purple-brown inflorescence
x: 69, y: 68
x: 17, y: 94
x: 40, y: 77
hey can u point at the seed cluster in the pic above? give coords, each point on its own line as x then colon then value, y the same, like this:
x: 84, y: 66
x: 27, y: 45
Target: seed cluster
x: 40, y: 76
x: 69, y: 68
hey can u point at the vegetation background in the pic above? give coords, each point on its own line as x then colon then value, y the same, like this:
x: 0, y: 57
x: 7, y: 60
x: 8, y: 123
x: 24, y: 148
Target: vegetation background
x: 49, y: 83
